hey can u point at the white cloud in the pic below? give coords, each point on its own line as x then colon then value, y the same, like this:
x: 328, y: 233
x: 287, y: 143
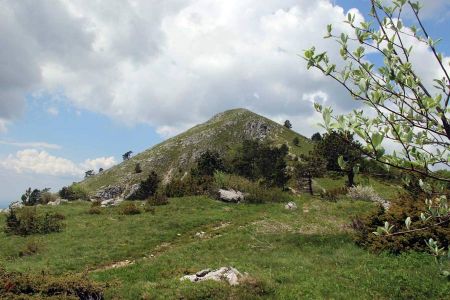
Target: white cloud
x: 53, y: 111
x: 97, y: 163
x: 39, y: 145
x: 41, y: 162
x: 169, y: 63
x: 3, y: 125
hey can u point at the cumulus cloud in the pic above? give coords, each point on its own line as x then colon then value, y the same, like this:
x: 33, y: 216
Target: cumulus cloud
x: 41, y: 162
x: 97, y: 163
x: 168, y: 63
x: 53, y: 111
x: 40, y: 145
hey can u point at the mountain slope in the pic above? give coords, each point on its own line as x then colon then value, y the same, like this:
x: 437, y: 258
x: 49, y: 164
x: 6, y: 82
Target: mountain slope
x: 222, y: 133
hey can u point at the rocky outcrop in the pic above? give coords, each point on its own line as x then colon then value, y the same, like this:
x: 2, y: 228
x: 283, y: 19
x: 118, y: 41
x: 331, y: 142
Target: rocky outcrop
x: 227, y: 274
x: 110, y: 192
x: 230, y: 195
x: 257, y: 129
x: 134, y: 188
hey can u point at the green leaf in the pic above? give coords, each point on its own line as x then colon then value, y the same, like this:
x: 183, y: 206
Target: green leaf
x: 342, y: 164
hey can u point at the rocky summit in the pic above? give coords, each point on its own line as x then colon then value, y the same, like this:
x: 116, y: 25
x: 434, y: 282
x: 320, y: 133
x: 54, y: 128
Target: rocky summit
x: 175, y: 156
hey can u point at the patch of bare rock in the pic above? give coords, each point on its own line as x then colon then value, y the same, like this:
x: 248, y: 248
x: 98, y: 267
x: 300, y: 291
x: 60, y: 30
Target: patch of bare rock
x: 228, y: 274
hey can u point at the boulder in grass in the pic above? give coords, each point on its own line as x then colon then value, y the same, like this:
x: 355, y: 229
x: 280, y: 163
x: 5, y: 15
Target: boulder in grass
x: 228, y: 274
x: 231, y: 195
x: 290, y: 206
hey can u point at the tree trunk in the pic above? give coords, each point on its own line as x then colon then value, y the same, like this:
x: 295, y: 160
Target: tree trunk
x: 351, y: 178
x: 310, y: 185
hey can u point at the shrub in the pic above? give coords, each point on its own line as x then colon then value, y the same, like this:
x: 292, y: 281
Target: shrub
x: 47, y: 197
x: 27, y: 286
x: 189, y: 186
x: 402, y: 207
x: 31, y: 247
x: 147, y: 187
x: 129, y: 208
x: 365, y: 193
x: 95, y: 210
x: 74, y: 192
x: 158, y: 199
x: 333, y: 194
x: 25, y: 221
x: 261, y: 194
x: 149, y: 208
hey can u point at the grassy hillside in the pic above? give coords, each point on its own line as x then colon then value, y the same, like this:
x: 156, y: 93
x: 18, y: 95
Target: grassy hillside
x: 222, y: 133
x: 306, y: 253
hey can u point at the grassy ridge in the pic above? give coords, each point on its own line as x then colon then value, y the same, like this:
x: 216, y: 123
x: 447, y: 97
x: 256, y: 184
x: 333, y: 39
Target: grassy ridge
x: 306, y: 253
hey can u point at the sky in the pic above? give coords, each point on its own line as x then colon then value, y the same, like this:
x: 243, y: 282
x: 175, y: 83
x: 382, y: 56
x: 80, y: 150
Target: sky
x: 82, y: 82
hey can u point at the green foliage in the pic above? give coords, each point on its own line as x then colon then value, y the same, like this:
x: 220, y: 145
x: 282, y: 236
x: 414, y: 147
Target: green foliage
x: 207, y: 164
x: 189, y: 186
x: 287, y: 124
x: 26, y: 221
x: 31, y: 198
x: 47, y: 197
x: 404, y: 206
x: 147, y: 187
x: 23, y: 286
x: 256, y: 160
x: 32, y: 247
x: 129, y: 208
x: 296, y: 141
x: 316, y: 137
x: 407, y: 111
x: 95, y: 210
x: 137, y: 168
x: 159, y: 198
x: 254, y: 191
x: 309, y: 167
x: 74, y: 192
x: 334, y: 193
x: 336, y: 145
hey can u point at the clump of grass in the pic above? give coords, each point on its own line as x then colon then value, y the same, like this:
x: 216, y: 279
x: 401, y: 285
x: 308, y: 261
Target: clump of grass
x: 129, y: 208
x: 32, y: 247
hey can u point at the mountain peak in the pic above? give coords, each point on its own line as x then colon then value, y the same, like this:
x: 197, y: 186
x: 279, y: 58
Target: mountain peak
x: 223, y: 132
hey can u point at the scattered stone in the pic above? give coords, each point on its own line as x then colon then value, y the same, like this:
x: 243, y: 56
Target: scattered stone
x: 111, y: 202
x: 290, y: 206
x: 54, y: 203
x: 228, y: 274
x: 200, y: 234
x: 231, y: 195
x: 134, y: 188
x: 110, y: 192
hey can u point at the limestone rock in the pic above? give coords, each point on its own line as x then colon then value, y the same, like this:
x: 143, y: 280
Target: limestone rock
x: 134, y: 188
x: 111, y: 202
x: 290, y: 206
x: 230, y: 195
x: 110, y: 192
x: 228, y: 274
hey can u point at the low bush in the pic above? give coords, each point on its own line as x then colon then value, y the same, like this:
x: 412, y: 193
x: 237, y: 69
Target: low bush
x: 333, y: 194
x: 149, y: 208
x: 189, y: 186
x: 47, y: 197
x: 26, y: 286
x: 31, y: 248
x: 158, y: 199
x: 365, y: 193
x: 25, y: 221
x: 402, y: 207
x: 74, y: 192
x: 95, y: 210
x: 129, y: 208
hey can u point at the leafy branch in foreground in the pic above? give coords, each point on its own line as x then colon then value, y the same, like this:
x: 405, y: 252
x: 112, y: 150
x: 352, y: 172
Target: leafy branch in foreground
x: 410, y: 111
